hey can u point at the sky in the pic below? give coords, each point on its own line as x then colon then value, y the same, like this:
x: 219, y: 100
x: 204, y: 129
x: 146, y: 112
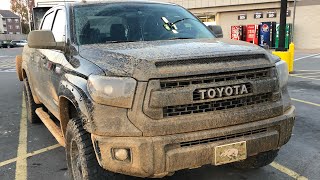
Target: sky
x: 5, y: 4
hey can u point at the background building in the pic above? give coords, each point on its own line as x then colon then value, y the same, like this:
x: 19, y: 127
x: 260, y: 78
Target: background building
x: 228, y: 13
x: 9, y: 23
x: 243, y: 12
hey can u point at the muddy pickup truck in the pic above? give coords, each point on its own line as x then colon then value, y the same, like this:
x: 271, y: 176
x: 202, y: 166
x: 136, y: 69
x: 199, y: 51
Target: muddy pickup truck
x: 145, y: 89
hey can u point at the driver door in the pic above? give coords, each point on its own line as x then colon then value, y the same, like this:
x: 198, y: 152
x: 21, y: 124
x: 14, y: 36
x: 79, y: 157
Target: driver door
x: 53, y: 61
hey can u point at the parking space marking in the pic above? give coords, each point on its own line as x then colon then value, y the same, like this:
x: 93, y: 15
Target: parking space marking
x: 313, y: 76
x: 305, y: 57
x: 9, y: 161
x: 304, y: 77
x: 306, y: 102
x: 6, y: 56
x: 308, y: 73
x: 21, y: 166
x: 287, y: 171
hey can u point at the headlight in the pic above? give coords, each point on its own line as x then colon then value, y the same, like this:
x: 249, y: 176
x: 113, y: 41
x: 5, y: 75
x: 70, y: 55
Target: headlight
x: 113, y: 91
x: 283, y: 73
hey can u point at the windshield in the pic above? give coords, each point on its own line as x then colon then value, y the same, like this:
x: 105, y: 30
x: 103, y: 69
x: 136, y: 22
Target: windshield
x: 127, y: 22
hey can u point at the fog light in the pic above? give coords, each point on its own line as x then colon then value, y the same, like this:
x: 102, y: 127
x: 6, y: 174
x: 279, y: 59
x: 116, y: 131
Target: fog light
x: 121, y: 154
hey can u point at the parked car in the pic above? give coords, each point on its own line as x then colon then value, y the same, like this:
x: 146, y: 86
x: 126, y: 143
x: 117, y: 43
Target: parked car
x: 6, y: 44
x: 19, y: 43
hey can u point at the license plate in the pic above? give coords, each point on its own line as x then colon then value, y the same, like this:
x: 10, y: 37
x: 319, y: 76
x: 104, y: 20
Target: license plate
x: 230, y: 153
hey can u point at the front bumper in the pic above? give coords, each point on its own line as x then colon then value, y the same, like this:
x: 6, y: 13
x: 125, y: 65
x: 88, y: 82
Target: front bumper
x: 162, y: 155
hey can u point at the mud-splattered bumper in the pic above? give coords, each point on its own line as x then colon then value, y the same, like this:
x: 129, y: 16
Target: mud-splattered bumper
x: 162, y: 155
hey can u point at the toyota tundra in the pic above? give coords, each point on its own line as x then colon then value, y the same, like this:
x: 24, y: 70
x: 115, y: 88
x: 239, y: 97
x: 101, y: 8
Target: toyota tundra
x: 146, y: 89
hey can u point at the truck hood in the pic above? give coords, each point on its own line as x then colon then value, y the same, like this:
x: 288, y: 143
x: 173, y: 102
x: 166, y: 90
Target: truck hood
x: 140, y: 58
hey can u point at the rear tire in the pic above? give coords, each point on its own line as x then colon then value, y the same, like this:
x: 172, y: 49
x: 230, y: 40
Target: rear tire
x: 31, y: 106
x: 257, y: 161
x: 81, y: 157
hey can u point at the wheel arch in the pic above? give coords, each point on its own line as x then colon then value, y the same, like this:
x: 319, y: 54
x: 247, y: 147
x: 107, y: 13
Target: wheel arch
x: 71, y: 104
x: 67, y: 111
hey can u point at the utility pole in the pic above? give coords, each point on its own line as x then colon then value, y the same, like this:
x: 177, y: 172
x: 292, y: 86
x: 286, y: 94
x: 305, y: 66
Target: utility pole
x: 282, y: 28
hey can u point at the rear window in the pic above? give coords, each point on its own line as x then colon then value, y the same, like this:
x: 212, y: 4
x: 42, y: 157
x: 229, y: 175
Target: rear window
x: 127, y: 22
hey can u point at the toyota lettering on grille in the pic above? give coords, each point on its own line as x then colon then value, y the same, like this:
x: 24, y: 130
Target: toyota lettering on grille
x: 225, y: 91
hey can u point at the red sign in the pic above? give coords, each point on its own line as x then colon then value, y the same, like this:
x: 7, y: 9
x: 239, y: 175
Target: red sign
x: 236, y: 32
x: 252, y: 33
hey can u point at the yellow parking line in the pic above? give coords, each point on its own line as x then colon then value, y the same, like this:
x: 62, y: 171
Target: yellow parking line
x: 30, y: 154
x: 21, y: 166
x: 306, y: 102
x: 304, y: 77
x: 287, y: 171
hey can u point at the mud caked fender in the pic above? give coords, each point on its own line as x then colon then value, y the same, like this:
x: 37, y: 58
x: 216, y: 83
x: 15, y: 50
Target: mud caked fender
x: 73, y: 88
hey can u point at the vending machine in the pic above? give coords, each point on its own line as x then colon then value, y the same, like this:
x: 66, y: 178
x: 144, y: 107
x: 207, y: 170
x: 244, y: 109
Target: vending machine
x: 288, y: 35
x: 253, y: 34
x: 267, y: 35
x: 238, y: 33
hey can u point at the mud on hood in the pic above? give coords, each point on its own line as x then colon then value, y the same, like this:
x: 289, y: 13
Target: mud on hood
x: 122, y: 59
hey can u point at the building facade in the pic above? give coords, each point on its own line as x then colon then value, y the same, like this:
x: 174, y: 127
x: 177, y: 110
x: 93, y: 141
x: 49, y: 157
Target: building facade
x: 9, y: 23
x: 228, y: 13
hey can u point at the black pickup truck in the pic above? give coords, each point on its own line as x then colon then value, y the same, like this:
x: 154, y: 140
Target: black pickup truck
x: 145, y: 89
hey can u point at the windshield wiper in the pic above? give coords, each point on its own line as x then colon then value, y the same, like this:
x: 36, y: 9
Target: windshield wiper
x: 169, y: 26
x: 183, y: 20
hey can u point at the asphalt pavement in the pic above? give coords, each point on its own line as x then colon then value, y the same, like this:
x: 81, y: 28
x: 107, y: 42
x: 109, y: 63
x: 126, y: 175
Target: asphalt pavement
x: 44, y: 159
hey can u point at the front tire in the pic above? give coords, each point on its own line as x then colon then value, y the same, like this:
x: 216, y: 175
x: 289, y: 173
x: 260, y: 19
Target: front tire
x: 81, y: 157
x: 257, y: 161
x: 31, y: 106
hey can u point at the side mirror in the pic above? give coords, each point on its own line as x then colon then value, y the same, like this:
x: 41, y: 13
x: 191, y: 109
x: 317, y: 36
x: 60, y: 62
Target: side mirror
x: 217, y: 30
x: 43, y: 39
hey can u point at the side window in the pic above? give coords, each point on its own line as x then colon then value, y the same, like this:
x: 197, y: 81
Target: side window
x: 47, y: 22
x: 59, y: 26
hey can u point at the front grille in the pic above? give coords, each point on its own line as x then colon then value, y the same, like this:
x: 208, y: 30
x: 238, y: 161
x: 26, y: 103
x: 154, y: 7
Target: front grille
x: 170, y: 111
x: 211, y: 78
x: 221, y: 138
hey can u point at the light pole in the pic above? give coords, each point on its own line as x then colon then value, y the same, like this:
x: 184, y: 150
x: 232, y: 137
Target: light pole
x: 282, y: 28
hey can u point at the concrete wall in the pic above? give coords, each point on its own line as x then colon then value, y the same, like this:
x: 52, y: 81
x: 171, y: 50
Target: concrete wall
x: 307, y: 35
x: 190, y: 4
x: 13, y: 36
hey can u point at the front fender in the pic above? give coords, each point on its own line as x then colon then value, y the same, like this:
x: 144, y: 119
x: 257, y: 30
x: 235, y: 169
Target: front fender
x: 73, y: 88
x: 97, y: 118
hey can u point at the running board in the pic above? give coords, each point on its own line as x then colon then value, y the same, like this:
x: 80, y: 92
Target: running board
x: 52, y: 127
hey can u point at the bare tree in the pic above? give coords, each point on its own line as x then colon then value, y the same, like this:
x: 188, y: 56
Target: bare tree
x: 23, y: 8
